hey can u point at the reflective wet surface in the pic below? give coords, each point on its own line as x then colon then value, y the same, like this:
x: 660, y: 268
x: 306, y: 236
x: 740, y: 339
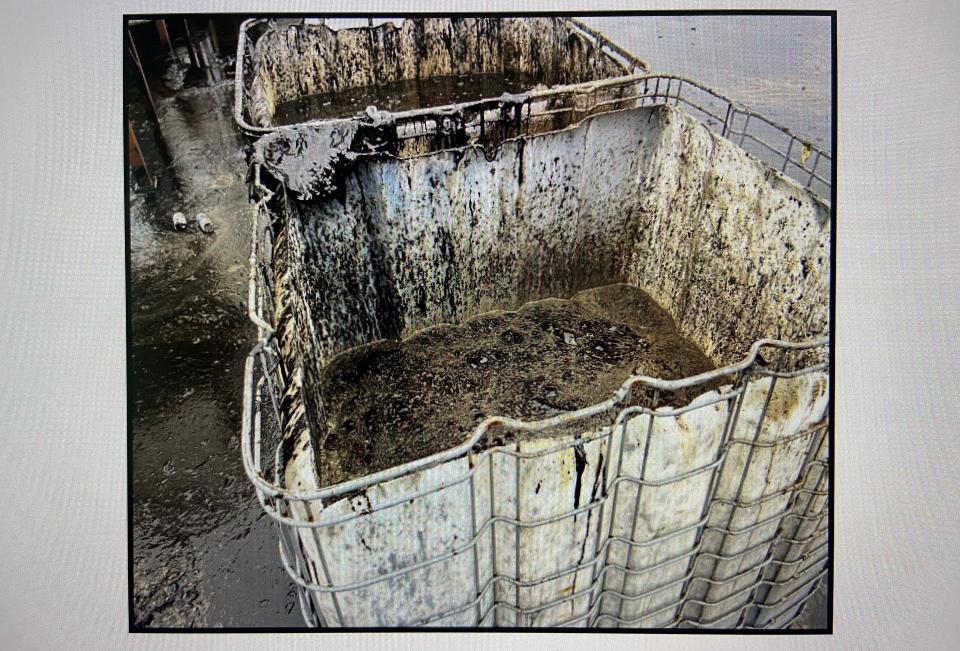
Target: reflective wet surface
x: 205, y: 554
x: 777, y: 65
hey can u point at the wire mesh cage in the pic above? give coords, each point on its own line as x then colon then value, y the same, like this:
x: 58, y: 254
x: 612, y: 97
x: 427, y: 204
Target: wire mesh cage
x: 732, y: 534
x: 638, y: 511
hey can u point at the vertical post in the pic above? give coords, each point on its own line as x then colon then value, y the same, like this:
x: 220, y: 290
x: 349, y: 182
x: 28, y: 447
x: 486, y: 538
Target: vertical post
x: 137, y: 162
x: 164, y: 34
x: 746, y: 123
x: 628, y: 565
x: 596, y: 601
x: 727, y: 121
x: 516, y: 528
x: 786, y: 158
x: 143, y: 77
x: 474, y: 542
x: 767, y: 566
x: 493, y: 537
x: 214, y: 39
x: 723, y: 450
x: 194, y: 58
x: 723, y: 546
x: 328, y: 577
x: 813, y: 169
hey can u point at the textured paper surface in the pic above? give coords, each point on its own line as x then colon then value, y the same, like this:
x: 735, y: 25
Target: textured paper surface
x: 63, y: 564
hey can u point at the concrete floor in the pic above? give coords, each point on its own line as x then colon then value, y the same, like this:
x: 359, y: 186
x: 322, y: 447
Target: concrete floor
x: 815, y: 615
x: 205, y: 554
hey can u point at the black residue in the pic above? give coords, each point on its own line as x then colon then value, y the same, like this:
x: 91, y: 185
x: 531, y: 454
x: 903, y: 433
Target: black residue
x: 580, y: 459
x: 511, y: 337
x: 520, y: 146
x: 367, y: 499
x: 597, y: 479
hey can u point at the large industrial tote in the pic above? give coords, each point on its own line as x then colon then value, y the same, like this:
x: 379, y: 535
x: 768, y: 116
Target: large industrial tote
x: 630, y: 512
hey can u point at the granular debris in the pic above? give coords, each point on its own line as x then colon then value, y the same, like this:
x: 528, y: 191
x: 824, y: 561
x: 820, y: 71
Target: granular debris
x: 390, y: 402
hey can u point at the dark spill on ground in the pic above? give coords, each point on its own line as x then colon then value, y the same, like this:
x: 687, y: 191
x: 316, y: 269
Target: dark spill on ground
x: 204, y: 552
x: 403, y: 95
x: 392, y: 402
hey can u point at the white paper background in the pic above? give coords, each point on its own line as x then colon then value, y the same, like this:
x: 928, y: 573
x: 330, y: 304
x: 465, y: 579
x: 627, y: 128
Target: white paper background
x: 63, y: 565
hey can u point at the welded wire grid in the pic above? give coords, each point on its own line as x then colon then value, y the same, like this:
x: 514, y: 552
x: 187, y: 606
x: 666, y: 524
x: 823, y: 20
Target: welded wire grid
x: 797, y: 158
x: 252, y: 29
x: 806, y: 163
x: 769, y: 593
x: 794, y: 559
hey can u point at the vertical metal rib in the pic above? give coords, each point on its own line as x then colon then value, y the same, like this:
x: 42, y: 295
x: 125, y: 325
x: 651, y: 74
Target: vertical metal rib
x: 760, y: 593
x: 765, y: 567
x: 516, y: 529
x: 820, y: 483
x: 606, y: 516
x: 746, y: 123
x: 786, y: 158
x: 636, y: 504
x: 328, y: 579
x: 493, y: 539
x: 473, y: 537
x: 729, y: 426
x: 749, y: 460
x: 813, y: 170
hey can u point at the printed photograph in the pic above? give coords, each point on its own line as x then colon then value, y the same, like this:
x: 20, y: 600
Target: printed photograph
x: 474, y: 322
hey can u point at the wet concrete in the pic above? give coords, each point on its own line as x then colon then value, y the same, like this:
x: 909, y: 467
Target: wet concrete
x: 204, y: 551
